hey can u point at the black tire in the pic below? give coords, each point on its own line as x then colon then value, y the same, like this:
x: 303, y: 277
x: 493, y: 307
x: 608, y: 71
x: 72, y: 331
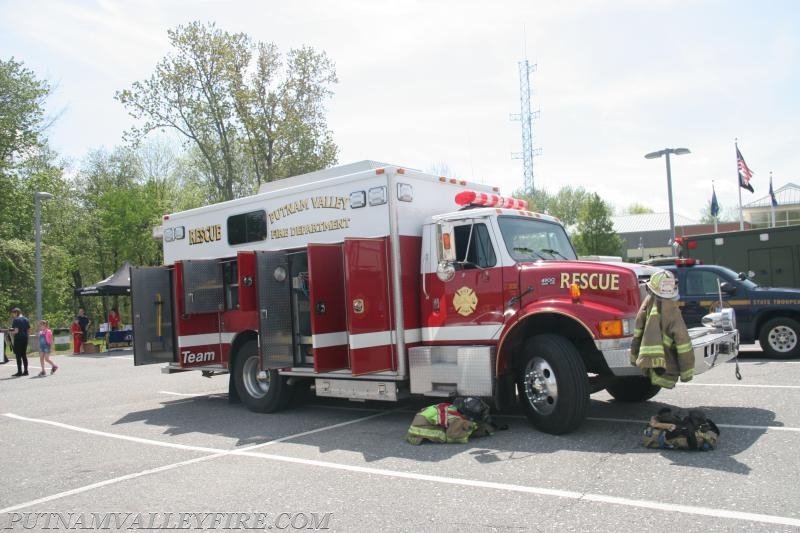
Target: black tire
x: 780, y: 338
x: 553, y: 385
x: 633, y: 389
x: 259, y: 396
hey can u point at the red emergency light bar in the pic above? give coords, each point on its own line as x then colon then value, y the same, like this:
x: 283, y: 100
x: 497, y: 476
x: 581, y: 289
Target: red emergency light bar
x: 489, y: 200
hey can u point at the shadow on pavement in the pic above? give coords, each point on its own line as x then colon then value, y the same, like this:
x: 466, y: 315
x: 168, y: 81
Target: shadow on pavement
x: 383, y: 436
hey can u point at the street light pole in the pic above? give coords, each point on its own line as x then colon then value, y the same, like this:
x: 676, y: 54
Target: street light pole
x: 666, y: 152
x: 37, y: 198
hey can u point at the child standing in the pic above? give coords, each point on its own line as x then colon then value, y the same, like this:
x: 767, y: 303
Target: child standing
x: 45, y: 346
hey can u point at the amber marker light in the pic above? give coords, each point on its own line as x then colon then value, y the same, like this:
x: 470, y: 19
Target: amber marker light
x: 575, y: 292
x: 446, y: 241
x: 611, y: 328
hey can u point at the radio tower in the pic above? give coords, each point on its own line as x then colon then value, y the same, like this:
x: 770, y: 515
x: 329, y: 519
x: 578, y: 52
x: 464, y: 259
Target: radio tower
x: 526, y: 117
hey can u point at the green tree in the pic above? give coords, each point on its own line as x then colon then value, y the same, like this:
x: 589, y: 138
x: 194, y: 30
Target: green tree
x: 22, y: 98
x: 566, y: 204
x: 636, y: 209
x: 595, y: 232
x: 726, y: 214
x: 27, y: 165
x: 227, y: 96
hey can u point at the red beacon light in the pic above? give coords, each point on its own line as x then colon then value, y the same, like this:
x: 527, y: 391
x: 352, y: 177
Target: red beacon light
x: 465, y: 198
x: 687, y: 262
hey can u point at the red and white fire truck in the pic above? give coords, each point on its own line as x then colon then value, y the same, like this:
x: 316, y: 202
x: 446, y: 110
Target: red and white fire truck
x: 372, y: 282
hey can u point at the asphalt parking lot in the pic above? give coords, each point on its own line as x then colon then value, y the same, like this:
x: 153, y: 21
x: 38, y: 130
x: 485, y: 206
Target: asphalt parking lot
x: 104, y: 437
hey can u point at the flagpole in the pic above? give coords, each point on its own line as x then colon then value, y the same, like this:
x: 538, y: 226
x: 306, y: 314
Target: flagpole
x: 713, y: 201
x: 739, y: 185
x: 771, y: 196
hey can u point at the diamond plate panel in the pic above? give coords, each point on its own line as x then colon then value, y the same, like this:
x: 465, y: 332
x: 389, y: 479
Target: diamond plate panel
x: 275, y: 313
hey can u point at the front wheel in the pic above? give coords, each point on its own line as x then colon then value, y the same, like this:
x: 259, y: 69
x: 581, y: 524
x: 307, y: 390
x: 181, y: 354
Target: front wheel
x: 633, y: 389
x: 261, y: 396
x: 780, y: 338
x: 552, y: 384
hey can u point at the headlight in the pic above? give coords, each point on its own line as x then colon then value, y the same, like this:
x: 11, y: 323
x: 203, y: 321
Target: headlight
x: 725, y: 319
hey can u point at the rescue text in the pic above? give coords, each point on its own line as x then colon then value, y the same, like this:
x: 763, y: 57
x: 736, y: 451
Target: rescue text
x: 591, y: 280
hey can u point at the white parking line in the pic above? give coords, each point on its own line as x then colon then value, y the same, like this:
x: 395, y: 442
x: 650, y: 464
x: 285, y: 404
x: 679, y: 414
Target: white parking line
x: 247, y: 451
x: 733, y: 426
x: 769, y: 362
x: 190, y: 394
x: 743, y: 385
x: 215, y: 453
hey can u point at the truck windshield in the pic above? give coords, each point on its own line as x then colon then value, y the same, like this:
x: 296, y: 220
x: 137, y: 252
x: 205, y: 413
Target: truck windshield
x: 530, y: 239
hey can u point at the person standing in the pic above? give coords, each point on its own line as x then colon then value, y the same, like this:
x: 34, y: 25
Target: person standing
x: 75, y: 329
x: 113, y: 319
x: 20, y: 328
x: 45, y: 347
x: 84, y: 322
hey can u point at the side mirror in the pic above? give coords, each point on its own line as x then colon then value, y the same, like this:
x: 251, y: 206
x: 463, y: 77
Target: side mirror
x: 445, y: 271
x: 727, y: 287
x: 446, y: 242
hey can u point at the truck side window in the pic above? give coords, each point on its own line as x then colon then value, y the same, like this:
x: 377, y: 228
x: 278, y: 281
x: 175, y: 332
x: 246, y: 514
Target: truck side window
x: 247, y: 227
x: 700, y: 282
x: 481, y: 251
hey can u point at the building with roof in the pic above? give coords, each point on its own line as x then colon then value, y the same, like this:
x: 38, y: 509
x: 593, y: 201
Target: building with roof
x: 759, y: 212
x: 647, y: 235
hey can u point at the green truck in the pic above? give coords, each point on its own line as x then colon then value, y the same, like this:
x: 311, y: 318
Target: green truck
x: 771, y: 254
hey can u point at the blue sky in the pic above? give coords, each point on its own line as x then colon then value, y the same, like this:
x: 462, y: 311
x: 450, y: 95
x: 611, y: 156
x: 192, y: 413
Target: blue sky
x: 431, y: 83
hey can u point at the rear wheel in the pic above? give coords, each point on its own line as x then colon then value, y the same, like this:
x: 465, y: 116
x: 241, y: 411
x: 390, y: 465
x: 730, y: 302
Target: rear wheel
x: 262, y: 396
x: 780, y: 338
x: 552, y: 384
x: 633, y: 389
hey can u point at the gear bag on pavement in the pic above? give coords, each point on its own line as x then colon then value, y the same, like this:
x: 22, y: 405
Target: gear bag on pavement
x: 669, y: 431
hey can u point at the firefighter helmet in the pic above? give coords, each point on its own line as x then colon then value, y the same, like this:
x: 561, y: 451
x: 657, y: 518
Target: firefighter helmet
x: 663, y: 285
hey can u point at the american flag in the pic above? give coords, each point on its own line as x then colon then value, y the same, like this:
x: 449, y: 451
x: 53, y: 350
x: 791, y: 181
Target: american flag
x: 744, y: 172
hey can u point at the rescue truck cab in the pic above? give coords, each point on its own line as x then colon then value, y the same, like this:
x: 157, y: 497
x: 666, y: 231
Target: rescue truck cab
x: 372, y: 282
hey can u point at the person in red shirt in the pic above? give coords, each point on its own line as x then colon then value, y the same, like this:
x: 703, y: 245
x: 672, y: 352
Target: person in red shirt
x: 113, y: 319
x: 77, y: 336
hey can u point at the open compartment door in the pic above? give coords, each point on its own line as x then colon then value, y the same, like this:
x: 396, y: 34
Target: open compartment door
x: 369, y: 305
x: 274, y: 309
x: 153, y: 327
x: 328, y: 316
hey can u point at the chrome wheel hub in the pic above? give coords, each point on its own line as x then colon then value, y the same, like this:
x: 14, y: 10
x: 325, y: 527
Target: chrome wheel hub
x: 782, y: 339
x: 255, y: 387
x: 540, y: 386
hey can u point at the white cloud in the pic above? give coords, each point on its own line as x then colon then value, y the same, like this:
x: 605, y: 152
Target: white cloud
x: 424, y: 83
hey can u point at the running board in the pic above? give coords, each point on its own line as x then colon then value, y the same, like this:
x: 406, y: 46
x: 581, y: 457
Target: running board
x: 208, y: 370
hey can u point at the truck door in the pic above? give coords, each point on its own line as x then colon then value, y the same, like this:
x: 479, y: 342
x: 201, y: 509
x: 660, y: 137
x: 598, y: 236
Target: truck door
x: 474, y: 296
x: 151, y: 303
x: 369, y: 305
x: 700, y: 296
x: 200, y: 306
x: 274, y: 282
x: 328, y: 311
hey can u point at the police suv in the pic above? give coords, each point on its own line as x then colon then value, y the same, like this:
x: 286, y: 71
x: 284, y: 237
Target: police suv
x: 769, y: 315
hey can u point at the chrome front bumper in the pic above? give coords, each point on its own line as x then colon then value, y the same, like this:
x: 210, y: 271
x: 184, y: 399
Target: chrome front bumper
x: 712, y: 347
